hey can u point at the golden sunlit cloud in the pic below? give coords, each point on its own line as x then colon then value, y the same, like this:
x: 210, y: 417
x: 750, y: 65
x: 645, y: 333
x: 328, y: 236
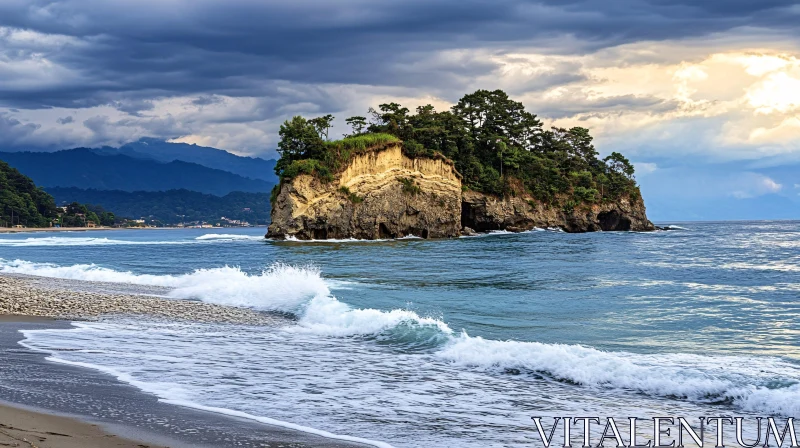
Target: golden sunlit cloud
x: 752, y: 96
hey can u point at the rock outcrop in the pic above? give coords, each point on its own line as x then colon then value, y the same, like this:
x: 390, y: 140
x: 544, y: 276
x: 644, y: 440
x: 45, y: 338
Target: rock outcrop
x: 381, y: 194
x: 483, y: 212
x: 385, y: 194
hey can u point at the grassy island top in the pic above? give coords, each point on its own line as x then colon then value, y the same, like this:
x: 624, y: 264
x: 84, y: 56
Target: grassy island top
x: 494, y: 143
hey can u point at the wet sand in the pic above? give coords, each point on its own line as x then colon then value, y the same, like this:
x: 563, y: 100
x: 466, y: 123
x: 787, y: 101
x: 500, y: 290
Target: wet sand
x: 24, y: 428
x: 93, y: 409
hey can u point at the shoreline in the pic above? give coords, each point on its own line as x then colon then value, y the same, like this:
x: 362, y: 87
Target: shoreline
x: 35, y: 296
x: 95, y: 408
x: 77, y: 229
x: 91, y: 229
x: 20, y: 425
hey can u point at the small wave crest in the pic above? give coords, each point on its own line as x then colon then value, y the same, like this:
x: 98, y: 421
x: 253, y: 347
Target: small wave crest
x: 294, y: 239
x: 78, y: 241
x: 674, y: 227
x: 300, y: 290
x: 229, y: 237
x: 90, y: 241
x: 754, y: 384
x: 325, y: 315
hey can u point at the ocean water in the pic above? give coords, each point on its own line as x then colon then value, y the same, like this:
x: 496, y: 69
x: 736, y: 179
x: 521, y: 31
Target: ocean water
x: 453, y: 343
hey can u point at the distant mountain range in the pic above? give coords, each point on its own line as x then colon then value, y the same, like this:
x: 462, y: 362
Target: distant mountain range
x: 173, y: 206
x: 116, y: 169
x: 159, y: 150
x: 162, y: 151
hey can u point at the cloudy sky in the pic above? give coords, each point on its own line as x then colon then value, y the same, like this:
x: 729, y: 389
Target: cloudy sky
x: 704, y: 96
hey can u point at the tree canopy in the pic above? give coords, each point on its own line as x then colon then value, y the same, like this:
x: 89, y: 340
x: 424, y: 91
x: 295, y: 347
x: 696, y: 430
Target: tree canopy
x: 22, y: 202
x: 497, y: 146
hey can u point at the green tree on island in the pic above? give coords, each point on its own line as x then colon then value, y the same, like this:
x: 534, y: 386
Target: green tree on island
x: 357, y: 124
x: 496, y: 145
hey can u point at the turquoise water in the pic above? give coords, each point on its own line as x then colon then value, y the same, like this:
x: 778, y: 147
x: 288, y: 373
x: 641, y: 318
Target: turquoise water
x: 456, y: 342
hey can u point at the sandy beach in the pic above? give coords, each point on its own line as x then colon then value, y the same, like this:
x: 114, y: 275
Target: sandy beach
x: 47, y: 404
x: 29, y: 296
x: 24, y: 428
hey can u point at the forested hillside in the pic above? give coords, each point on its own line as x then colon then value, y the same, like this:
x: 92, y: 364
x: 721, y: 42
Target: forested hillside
x: 174, y: 206
x: 22, y: 202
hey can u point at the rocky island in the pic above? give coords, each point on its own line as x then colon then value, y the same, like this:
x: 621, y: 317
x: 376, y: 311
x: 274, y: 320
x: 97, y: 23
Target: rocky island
x: 484, y: 165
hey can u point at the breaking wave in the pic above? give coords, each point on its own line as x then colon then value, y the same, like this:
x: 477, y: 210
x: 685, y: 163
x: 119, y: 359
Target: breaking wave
x: 229, y: 237
x: 300, y: 290
x: 760, y: 384
x: 79, y: 241
x: 93, y: 241
x: 755, y: 384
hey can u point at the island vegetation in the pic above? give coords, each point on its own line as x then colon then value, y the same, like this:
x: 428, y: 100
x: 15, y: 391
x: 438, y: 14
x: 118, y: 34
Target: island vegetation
x: 497, y: 146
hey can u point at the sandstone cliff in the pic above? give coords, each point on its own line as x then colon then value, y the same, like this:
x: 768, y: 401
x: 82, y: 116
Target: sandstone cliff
x: 385, y: 194
x: 381, y: 194
x: 482, y: 213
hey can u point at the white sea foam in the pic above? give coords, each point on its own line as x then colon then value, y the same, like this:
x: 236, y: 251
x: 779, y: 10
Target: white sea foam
x: 754, y: 384
x: 173, y: 394
x: 78, y: 241
x: 93, y: 241
x: 280, y: 287
x: 328, y: 316
x: 508, y: 232
x: 88, y: 272
x: 747, y: 382
x: 229, y: 237
x: 294, y: 239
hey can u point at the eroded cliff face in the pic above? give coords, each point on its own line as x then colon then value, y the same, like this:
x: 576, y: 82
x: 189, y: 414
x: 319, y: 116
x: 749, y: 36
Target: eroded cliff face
x: 482, y: 212
x: 382, y: 194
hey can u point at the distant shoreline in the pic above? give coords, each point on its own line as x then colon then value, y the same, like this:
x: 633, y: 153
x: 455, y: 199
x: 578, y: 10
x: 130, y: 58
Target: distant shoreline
x: 88, y: 229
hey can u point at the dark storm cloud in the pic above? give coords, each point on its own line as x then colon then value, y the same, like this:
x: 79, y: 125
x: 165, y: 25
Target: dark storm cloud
x: 13, y: 130
x: 206, y: 100
x: 133, y: 106
x: 66, y: 120
x: 579, y: 104
x: 126, y: 52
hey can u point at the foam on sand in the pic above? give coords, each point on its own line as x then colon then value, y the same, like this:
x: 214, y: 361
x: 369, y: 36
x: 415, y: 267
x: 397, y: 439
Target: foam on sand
x: 170, y: 394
